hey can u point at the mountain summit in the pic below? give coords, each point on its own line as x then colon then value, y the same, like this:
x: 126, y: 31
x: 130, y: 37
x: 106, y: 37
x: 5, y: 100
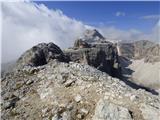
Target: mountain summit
x: 92, y: 36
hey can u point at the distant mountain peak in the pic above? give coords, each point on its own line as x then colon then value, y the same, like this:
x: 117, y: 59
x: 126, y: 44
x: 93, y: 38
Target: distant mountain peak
x: 92, y: 35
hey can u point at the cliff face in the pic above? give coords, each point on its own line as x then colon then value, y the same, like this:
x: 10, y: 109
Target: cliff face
x: 141, y: 49
x: 142, y: 66
x: 72, y: 91
x: 97, y: 52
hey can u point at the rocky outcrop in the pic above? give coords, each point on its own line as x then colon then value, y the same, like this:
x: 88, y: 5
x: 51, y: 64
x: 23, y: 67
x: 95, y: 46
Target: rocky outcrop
x: 140, y: 62
x: 81, y: 44
x: 153, y: 54
x: 41, y: 54
x: 92, y: 49
x: 92, y: 36
x: 141, y: 49
x: 126, y: 50
x: 108, y: 111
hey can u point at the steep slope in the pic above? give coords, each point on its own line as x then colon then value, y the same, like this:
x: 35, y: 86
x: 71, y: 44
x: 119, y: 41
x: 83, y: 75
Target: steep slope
x: 140, y: 49
x: 142, y: 63
x: 146, y: 73
x: 73, y: 91
x: 92, y: 36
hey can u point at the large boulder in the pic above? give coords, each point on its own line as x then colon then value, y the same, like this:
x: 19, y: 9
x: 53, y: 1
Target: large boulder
x: 41, y: 54
x: 106, y: 110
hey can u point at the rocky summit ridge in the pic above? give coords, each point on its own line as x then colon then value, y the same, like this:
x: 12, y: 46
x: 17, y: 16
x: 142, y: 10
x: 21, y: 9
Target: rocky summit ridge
x: 76, y: 84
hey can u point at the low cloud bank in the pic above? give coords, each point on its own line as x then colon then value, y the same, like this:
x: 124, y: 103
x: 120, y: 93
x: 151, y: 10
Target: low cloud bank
x: 113, y: 33
x: 25, y: 24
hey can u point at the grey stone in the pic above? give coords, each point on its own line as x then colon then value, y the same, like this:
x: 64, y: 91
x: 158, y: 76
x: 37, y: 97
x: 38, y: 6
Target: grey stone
x: 106, y: 110
x: 149, y: 112
x: 41, y: 54
x: 78, y: 98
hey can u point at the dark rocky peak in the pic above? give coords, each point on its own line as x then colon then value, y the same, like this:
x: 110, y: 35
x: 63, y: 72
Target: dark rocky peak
x: 41, y: 54
x: 92, y: 36
x: 101, y: 55
x: 79, y: 43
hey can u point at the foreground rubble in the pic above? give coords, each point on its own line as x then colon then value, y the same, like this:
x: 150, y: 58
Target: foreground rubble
x: 73, y: 91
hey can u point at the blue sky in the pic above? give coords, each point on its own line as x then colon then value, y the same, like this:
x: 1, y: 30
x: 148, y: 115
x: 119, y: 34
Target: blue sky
x: 123, y: 15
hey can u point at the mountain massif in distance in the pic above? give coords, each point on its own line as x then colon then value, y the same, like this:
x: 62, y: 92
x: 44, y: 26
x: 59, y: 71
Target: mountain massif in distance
x: 96, y: 79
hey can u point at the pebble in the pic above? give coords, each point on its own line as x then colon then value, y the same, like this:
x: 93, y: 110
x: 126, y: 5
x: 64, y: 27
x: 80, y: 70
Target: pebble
x: 79, y: 116
x: 133, y: 97
x: 69, y: 83
x: 29, y: 82
x: 78, y: 98
x: 83, y: 110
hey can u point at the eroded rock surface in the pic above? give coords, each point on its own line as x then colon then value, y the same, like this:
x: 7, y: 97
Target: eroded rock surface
x: 107, y: 111
x: 94, y: 50
x: 142, y: 49
x: 42, y: 94
x: 41, y: 54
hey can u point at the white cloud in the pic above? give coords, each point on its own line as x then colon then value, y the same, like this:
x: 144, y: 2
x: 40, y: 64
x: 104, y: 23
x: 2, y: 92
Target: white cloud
x: 25, y: 24
x: 154, y: 35
x: 113, y: 33
x: 150, y: 17
x: 118, y: 14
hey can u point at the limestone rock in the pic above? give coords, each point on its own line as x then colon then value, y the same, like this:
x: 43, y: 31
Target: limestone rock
x: 92, y: 36
x: 141, y: 49
x: 97, y: 52
x: 150, y: 112
x: 81, y: 44
x: 108, y: 111
x: 78, y: 98
x: 41, y: 54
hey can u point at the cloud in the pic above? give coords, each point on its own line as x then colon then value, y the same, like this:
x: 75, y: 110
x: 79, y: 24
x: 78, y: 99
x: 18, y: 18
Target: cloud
x: 151, y: 17
x: 113, y: 33
x: 25, y: 24
x: 118, y: 14
x: 154, y: 35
